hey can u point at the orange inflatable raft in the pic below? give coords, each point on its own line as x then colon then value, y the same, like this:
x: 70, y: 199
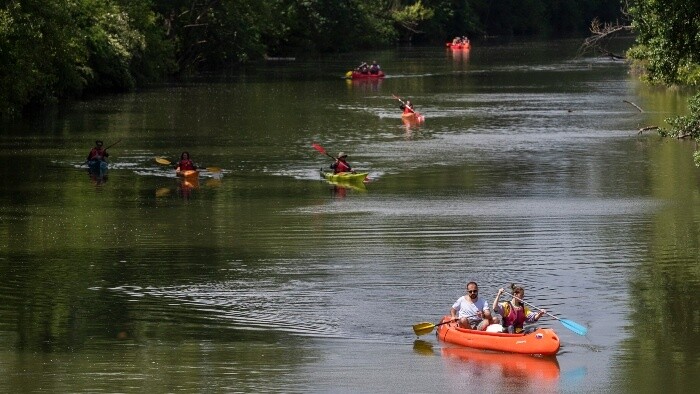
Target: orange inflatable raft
x: 543, y: 341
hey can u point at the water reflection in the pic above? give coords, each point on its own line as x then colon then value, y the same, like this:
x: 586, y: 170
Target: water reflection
x: 459, y: 56
x: 372, y: 85
x: 424, y: 348
x: 518, y: 371
x: 98, y: 176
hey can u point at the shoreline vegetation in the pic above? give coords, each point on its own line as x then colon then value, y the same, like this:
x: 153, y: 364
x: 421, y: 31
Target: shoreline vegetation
x: 54, y: 51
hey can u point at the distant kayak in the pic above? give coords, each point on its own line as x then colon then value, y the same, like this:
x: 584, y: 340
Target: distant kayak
x: 345, y: 176
x: 458, y: 46
x: 542, y: 341
x: 359, y: 75
x: 413, y: 117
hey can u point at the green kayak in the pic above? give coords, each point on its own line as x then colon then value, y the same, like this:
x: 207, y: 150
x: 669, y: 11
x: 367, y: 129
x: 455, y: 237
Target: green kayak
x: 345, y: 176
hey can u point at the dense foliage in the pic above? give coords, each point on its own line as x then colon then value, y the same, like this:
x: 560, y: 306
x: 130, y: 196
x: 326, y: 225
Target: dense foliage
x: 668, y: 50
x: 668, y: 40
x: 56, y: 49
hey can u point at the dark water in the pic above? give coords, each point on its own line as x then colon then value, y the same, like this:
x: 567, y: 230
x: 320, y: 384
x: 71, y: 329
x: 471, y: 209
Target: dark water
x: 264, y: 278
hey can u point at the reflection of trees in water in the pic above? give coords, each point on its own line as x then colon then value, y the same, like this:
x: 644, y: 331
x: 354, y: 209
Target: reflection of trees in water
x: 662, y: 350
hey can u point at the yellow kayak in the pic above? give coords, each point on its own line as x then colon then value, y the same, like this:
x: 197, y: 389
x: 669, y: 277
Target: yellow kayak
x: 345, y: 176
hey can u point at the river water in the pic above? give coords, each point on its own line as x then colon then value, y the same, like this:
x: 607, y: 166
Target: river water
x: 264, y: 278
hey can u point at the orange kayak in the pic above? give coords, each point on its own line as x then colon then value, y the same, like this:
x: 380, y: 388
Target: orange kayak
x: 187, y: 173
x: 542, y: 341
x: 413, y: 117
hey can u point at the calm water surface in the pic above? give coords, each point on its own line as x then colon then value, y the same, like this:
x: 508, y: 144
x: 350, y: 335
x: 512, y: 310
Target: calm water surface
x: 528, y: 169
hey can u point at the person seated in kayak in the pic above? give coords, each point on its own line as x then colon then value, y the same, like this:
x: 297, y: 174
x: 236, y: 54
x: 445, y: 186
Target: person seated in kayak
x: 514, y: 313
x: 98, y: 153
x: 471, y: 311
x: 465, y: 40
x: 185, y: 163
x: 341, y: 164
x: 374, y: 68
x: 363, y: 68
x: 407, y: 107
x: 456, y: 41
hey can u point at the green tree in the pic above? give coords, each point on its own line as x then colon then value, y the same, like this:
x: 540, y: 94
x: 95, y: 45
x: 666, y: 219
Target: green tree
x: 668, y: 40
x: 668, y: 50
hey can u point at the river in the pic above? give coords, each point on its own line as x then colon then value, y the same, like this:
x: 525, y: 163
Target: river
x: 528, y: 169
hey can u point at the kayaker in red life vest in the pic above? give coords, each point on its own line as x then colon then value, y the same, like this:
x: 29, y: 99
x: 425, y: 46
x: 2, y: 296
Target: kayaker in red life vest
x: 514, y: 313
x: 97, y: 153
x: 341, y: 165
x: 185, y: 163
x: 407, y: 108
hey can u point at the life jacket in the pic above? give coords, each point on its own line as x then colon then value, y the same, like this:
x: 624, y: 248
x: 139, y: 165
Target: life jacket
x: 341, y: 166
x: 185, y: 165
x: 97, y: 154
x: 514, y: 317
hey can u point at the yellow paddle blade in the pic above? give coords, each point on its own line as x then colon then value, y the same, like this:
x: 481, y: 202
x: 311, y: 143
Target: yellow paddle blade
x: 423, y: 328
x: 164, y: 161
x: 213, y: 169
x: 162, y: 192
x: 348, y: 74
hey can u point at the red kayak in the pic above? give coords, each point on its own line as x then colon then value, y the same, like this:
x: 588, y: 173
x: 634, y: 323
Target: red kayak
x: 359, y: 75
x: 458, y: 46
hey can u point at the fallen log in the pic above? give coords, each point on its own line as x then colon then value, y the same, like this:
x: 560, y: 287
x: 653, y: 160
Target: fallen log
x: 635, y: 105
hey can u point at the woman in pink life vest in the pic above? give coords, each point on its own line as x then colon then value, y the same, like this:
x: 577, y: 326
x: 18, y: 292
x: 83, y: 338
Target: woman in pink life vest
x: 514, y: 312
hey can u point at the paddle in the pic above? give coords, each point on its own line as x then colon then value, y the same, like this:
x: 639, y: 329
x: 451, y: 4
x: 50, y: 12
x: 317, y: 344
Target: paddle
x: 118, y: 141
x: 166, y: 162
x: 348, y: 74
x: 323, y: 151
x: 571, y: 325
x: 427, y: 327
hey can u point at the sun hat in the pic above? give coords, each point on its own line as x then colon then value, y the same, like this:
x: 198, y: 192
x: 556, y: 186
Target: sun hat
x: 342, y: 154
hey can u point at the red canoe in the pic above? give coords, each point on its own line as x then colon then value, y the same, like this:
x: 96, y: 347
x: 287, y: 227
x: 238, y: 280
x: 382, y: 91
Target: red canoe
x: 541, y: 341
x: 458, y: 46
x: 359, y: 75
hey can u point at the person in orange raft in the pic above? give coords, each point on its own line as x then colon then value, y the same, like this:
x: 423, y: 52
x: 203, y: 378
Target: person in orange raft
x: 341, y: 165
x: 514, y: 313
x: 407, y: 107
x: 185, y: 163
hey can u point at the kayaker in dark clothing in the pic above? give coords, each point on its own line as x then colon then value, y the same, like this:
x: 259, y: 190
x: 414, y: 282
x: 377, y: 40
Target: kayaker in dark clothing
x: 97, y: 153
x: 374, y: 68
x: 185, y: 163
x: 341, y: 165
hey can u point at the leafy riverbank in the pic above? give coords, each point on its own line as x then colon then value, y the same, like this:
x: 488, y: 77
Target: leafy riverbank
x: 53, y: 50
